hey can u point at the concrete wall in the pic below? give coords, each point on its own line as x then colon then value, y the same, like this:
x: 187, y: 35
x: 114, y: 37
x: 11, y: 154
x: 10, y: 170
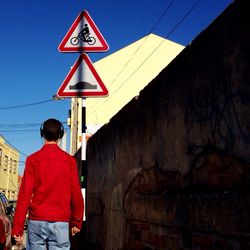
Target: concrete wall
x: 172, y: 169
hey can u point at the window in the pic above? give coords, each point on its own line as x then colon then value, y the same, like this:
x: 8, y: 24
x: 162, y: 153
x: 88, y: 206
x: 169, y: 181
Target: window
x: 13, y: 195
x: 10, y: 162
x: 5, y: 163
x: 14, y: 166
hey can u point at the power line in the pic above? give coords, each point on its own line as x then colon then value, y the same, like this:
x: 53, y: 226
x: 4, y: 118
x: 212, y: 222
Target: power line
x: 18, y: 130
x: 21, y: 162
x: 21, y: 131
x: 137, y: 50
x: 25, y: 105
x: 154, y: 26
x: 22, y: 153
x: 184, y: 17
x: 169, y: 33
x: 21, y: 125
x: 15, y: 147
x: 161, y: 17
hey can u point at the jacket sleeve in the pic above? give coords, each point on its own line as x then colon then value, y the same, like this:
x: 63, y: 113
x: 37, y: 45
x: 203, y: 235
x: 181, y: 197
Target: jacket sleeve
x: 77, y: 203
x: 24, y: 198
x: 2, y: 232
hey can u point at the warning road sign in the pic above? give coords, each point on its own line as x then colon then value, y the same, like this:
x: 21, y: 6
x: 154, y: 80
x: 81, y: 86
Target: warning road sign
x: 82, y: 80
x: 83, y: 36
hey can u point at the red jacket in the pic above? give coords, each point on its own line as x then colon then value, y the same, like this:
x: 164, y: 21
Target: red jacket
x: 50, y: 189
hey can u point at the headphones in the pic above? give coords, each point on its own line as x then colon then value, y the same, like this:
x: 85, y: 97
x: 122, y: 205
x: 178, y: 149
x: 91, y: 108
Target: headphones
x: 43, y: 129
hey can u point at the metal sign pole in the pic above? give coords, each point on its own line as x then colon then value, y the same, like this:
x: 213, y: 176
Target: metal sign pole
x: 72, y: 86
x: 83, y: 232
x: 83, y: 155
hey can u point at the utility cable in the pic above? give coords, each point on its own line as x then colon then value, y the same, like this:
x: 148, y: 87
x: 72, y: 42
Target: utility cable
x: 139, y: 47
x: 15, y: 147
x: 169, y: 33
x: 21, y: 125
x: 154, y: 26
x: 17, y: 130
x: 22, y: 130
x: 25, y: 105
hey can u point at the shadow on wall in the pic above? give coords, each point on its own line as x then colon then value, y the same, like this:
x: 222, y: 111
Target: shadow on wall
x: 205, y: 208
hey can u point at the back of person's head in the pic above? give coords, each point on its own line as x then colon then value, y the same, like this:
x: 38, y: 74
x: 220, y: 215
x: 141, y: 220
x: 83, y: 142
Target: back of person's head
x: 52, y: 130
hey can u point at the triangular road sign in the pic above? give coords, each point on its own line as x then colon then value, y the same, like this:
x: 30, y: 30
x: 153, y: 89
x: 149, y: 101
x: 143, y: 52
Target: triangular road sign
x: 82, y: 80
x: 83, y: 36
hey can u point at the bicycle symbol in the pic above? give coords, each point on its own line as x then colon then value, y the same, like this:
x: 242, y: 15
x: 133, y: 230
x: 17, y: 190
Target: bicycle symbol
x: 87, y: 38
x: 84, y: 36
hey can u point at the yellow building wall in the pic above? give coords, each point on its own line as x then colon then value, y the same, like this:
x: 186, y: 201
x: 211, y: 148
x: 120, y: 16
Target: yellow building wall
x: 9, y: 164
x: 126, y: 72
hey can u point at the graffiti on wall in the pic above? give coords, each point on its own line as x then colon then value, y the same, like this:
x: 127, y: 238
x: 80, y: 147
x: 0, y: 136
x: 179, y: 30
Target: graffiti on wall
x: 225, y: 111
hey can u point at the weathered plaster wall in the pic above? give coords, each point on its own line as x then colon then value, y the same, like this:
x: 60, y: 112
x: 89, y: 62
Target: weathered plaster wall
x: 171, y: 169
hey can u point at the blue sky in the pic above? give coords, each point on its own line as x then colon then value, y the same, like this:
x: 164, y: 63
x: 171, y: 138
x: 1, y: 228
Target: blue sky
x: 32, y: 69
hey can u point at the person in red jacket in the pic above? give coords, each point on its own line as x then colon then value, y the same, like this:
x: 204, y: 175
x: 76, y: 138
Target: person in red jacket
x: 50, y: 193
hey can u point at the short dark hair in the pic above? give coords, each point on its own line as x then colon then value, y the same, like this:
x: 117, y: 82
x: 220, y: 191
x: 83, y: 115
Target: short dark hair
x: 52, y: 130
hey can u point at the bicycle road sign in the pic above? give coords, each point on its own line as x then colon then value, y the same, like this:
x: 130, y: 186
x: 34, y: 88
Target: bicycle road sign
x: 83, y: 36
x: 82, y: 80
